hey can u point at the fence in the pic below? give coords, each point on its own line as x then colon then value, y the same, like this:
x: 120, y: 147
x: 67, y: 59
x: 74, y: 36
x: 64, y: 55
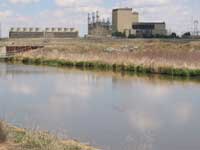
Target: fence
x: 11, y: 51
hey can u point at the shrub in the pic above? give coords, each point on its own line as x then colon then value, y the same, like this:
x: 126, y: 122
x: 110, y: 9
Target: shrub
x: 119, y: 34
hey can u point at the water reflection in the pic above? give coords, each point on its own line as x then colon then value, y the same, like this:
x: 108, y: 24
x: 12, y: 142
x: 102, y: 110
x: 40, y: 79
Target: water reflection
x: 114, y: 111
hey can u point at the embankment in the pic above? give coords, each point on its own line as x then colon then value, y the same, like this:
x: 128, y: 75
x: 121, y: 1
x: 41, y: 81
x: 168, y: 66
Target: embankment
x: 176, y: 58
x: 13, y: 138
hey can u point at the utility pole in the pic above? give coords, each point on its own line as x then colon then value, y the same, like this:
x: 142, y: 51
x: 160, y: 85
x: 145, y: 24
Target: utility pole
x: 0, y: 30
x: 196, y: 30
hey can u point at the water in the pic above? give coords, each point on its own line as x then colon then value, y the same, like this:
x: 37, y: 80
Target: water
x: 110, y: 111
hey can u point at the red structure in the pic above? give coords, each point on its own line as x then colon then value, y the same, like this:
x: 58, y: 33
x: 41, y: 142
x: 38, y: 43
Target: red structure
x: 10, y: 51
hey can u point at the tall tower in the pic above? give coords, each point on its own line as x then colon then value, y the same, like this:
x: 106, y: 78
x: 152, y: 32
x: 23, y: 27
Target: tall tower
x: 123, y: 18
x: 196, y: 30
x: 89, y: 19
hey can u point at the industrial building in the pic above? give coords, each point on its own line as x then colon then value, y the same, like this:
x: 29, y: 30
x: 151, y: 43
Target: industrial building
x: 149, y: 29
x: 126, y: 21
x: 43, y: 33
x: 123, y: 18
x: 98, y: 27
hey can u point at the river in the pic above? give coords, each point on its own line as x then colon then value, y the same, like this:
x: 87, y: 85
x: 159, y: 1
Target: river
x: 111, y: 111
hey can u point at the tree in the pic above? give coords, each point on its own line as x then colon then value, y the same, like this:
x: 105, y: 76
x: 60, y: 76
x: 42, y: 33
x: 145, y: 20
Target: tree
x: 186, y: 35
x: 119, y: 34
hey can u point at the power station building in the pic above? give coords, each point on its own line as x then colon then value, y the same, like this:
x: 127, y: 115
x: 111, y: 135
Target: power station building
x: 126, y: 21
x: 98, y: 27
x: 149, y: 29
x: 123, y: 18
x: 43, y: 33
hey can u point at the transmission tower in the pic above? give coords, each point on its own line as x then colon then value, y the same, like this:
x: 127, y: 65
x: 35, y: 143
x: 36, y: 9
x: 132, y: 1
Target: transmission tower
x: 97, y: 16
x: 89, y: 19
x: 93, y: 17
x: 196, y: 30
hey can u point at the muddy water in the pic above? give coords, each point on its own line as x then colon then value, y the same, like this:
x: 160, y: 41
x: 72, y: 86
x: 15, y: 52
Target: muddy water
x: 107, y: 110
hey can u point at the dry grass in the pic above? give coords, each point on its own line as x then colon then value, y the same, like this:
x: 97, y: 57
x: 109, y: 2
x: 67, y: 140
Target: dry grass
x: 152, y: 53
x: 147, y: 53
x: 22, y: 139
x: 3, y: 135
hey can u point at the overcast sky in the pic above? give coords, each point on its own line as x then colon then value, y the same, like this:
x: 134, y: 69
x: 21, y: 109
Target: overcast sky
x: 178, y: 14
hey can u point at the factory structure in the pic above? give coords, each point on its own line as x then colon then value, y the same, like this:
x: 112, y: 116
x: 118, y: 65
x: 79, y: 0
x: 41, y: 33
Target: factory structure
x: 98, y: 26
x: 43, y: 33
x: 125, y: 21
x: 148, y: 29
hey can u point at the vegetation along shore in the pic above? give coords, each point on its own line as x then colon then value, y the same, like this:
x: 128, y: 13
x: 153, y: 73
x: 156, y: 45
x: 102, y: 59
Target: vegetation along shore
x: 171, y: 57
x: 13, y: 138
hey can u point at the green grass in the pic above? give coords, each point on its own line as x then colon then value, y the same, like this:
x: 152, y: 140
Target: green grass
x: 183, y: 72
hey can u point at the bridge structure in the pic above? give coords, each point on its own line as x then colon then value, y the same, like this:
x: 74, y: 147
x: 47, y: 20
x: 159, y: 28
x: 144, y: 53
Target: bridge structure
x: 11, y: 51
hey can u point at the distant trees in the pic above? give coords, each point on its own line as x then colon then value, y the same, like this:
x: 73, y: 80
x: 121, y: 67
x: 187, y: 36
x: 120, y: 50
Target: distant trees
x: 173, y: 35
x: 186, y: 35
x: 119, y: 34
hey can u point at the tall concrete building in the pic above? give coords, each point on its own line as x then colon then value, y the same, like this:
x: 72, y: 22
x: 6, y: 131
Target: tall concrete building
x: 123, y: 18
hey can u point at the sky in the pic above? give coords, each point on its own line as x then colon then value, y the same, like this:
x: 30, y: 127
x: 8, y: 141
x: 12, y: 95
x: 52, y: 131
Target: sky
x: 179, y: 15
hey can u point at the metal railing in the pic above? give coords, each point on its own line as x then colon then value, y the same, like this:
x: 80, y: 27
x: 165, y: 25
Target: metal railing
x: 12, y: 51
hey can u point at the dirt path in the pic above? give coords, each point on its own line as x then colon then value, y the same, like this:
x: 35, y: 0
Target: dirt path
x: 3, y: 146
x: 7, y: 146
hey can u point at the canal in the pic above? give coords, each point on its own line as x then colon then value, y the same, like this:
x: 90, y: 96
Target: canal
x: 112, y: 111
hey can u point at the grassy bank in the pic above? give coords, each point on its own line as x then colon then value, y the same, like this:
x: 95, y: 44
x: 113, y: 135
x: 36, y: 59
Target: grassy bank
x: 176, y: 58
x: 106, y: 66
x: 13, y: 138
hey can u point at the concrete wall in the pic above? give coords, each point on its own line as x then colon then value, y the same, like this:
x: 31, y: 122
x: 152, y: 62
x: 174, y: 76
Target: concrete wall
x: 61, y: 34
x: 160, y: 29
x: 123, y: 18
x: 26, y: 34
x: 47, y: 33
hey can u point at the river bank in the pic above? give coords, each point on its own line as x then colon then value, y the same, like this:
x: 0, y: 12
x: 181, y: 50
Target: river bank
x: 176, y: 58
x: 14, y: 138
